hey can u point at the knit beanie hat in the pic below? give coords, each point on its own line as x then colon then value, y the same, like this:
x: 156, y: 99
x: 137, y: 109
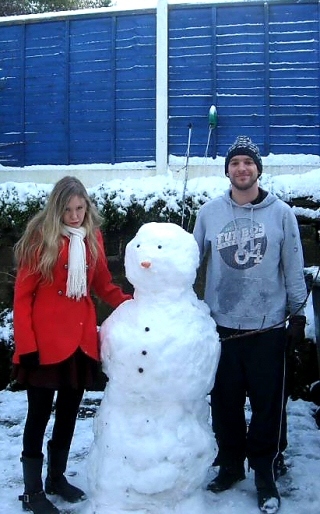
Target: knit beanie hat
x: 244, y: 146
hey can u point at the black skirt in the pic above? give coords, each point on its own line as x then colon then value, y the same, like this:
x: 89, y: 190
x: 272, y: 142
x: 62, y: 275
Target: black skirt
x: 78, y: 371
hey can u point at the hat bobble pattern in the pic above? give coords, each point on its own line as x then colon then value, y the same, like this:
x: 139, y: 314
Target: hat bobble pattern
x: 243, y: 145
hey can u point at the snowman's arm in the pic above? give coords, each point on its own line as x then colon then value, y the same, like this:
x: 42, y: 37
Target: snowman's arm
x: 199, y: 233
x: 104, y: 342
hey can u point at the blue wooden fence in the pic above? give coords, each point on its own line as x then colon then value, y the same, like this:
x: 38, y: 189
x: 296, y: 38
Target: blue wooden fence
x: 82, y: 88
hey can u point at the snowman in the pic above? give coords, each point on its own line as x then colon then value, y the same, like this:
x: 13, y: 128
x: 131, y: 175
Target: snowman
x: 153, y: 443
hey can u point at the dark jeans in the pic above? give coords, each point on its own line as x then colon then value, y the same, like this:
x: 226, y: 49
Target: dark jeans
x: 254, y: 367
x: 40, y: 403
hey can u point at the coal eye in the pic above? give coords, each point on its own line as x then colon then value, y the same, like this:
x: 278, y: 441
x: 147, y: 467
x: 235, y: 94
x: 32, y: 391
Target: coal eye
x: 138, y: 246
x: 159, y: 246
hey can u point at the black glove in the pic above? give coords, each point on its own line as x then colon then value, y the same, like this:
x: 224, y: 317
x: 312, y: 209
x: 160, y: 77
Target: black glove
x: 30, y: 361
x: 295, y: 333
x: 308, y: 278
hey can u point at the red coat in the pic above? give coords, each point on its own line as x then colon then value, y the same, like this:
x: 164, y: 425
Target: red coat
x: 47, y: 321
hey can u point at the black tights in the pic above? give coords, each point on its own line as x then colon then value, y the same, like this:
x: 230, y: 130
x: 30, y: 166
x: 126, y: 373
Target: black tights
x: 40, y: 403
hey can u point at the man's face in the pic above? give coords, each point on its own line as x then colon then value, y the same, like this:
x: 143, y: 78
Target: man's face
x: 243, y: 172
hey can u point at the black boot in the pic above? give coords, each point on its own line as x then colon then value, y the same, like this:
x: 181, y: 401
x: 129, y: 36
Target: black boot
x: 227, y: 477
x: 33, y: 498
x: 56, y: 482
x: 267, y: 492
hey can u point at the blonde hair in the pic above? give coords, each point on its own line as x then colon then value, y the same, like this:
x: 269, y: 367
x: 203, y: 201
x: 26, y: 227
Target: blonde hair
x: 38, y: 248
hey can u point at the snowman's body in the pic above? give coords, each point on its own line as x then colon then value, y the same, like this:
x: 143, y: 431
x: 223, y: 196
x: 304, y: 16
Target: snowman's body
x: 153, y: 441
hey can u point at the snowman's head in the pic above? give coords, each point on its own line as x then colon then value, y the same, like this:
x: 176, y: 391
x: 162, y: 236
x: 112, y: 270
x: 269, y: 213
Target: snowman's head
x: 161, y: 256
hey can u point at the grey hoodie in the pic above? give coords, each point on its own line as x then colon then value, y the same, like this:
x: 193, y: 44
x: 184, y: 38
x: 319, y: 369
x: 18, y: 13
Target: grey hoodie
x: 254, y: 261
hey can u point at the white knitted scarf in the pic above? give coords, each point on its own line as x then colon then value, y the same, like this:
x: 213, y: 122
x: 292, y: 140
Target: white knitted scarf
x: 77, y: 277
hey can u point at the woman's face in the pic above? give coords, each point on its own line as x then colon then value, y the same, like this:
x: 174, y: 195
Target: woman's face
x: 75, y: 212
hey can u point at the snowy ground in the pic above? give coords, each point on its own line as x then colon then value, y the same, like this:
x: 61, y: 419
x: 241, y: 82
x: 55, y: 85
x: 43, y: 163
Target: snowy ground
x: 299, y: 488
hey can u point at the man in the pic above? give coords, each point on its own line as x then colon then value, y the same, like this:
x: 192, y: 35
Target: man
x: 254, y: 278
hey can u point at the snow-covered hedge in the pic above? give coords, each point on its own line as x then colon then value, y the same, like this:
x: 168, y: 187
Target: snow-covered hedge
x: 124, y: 205
x: 128, y: 202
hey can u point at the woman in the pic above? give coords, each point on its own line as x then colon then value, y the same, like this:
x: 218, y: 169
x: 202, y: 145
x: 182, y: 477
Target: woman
x: 60, y: 258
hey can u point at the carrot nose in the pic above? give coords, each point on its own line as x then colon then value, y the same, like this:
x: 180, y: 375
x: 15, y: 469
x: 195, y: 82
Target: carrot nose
x: 146, y: 264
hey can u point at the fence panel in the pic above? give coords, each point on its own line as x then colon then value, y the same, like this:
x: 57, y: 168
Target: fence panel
x: 12, y: 95
x: 45, y: 99
x: 241, y: 74
x: 91, y: 90
x: 294, y: 78
x: 190, y: 78
x: 135, y: 96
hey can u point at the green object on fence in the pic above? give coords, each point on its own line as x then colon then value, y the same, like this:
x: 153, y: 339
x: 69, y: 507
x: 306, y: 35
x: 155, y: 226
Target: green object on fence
x: 213, y: 117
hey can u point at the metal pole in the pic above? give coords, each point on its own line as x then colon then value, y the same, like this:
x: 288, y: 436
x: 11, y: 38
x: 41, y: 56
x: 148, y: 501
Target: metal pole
x: 162, y: 88
x: 186, y: 176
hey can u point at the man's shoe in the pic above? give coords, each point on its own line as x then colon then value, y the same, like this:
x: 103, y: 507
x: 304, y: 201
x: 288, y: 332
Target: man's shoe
x: 226, y: 478
x: 279, y: 466
x: 268, y: 495
x: 268, y: 501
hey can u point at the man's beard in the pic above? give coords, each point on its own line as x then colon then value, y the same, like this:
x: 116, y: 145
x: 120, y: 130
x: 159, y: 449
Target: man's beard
x: 244, y: 187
